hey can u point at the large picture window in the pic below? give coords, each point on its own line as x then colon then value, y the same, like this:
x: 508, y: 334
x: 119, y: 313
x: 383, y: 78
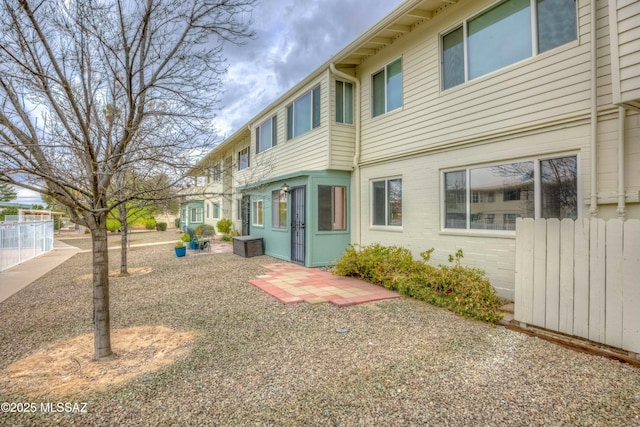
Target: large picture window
x: 540, y: 188
x: 332, y: 208
x: 504, y: 35
x: 344, y: 102
x: 266, y: 135
x: 387, y: 202
x: 278, y: 209
x: 304, y: 114
x: 386, y: 88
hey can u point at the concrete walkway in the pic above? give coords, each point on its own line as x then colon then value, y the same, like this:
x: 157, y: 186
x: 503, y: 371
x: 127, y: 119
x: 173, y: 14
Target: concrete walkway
x: 20, y: 276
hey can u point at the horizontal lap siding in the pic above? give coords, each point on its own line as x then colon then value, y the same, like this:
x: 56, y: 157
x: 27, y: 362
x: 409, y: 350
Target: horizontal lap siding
x: 421, y: 200
x: 342, y: 146
x: 308, y: 151
x: 629, y: 38
x: 538, y: 90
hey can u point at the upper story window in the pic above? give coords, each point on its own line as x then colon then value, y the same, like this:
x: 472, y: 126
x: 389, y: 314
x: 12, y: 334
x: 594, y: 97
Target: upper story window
x: 506, y: 33
x: 304, y: 114
x: 386, y: 88
x: 344, y: 102
x: 243, y: 158
x: 216, y: 173
x: 539, y: 188
x: 266, y: 135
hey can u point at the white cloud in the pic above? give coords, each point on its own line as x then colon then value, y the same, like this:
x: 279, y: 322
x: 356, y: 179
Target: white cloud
x: 293, y: 38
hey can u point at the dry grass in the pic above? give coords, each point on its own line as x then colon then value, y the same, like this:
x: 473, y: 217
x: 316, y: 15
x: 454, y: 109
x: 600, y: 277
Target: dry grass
x: 67, y: 368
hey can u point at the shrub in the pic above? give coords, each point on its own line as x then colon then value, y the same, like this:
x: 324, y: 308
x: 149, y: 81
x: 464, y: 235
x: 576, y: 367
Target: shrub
x: 150, y: 224
x: 224, y: 226
x: 161, y: 226
x: 464, y: 290
x: 204, y: 230
x: 176, y: 222
x: 113, y: 225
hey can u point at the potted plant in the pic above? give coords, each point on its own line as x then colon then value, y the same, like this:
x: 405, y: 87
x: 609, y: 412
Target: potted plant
x: 181, y: 249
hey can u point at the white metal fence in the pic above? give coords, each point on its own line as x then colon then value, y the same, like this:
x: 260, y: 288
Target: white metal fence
x: 580, y: 278
x: 22, y: 241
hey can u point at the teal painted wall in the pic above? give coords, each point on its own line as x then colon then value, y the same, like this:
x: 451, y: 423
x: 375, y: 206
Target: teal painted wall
x: 322, y: 247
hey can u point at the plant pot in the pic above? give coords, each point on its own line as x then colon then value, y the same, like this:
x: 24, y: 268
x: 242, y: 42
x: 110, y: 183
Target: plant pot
x: 180, y: 252
x: 193, y: 245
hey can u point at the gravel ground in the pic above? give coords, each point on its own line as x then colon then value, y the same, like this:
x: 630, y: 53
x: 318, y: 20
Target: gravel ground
x: 259, y: 362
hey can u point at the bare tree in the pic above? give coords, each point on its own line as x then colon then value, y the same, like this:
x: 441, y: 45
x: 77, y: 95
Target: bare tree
x: 91, y: 89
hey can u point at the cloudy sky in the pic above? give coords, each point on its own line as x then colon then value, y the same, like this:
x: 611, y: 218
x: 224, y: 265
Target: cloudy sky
x: 293, y: 38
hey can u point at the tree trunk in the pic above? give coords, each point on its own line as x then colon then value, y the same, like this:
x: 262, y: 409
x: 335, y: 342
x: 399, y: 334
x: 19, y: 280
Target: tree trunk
x: 124, y: 239
x: 101, y: 319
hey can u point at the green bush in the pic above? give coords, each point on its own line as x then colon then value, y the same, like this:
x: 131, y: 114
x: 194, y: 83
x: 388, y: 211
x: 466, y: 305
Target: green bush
x: 150, y: 224
x: 185, y: 238
x: 224, y: 226
x: 161, y: 226
x: 176, y: 222
x: 205, y: 230
x: 464, y: 290
x: 113, y: 225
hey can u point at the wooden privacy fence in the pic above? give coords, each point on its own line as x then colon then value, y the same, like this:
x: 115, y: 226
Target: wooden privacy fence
x: 580, y: 278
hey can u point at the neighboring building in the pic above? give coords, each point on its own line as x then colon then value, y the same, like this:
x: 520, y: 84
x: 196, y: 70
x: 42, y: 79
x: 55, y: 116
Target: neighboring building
x: 441, y: 125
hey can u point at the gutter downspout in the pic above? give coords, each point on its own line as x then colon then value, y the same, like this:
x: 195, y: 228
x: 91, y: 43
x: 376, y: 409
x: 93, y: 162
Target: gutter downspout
x: 356, y: 157
x: 593, y: 209
x: 621, y: 211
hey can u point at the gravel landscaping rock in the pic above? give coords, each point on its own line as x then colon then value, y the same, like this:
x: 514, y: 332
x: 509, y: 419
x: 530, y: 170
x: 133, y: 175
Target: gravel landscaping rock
x: 259, y: 362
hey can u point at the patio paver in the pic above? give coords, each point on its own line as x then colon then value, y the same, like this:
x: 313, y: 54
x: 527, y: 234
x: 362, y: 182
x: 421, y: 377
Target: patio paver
x: 292, y: 283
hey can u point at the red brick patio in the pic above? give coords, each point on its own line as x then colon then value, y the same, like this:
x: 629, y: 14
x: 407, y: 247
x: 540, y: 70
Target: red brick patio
x: 292, y: 283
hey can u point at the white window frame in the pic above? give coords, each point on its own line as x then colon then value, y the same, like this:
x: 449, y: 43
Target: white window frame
x: 537, y: 188
x: 316, y: 97
x: 279, y: 198
x: 273, y: 122
x: 464, y: 25
x: 345, y: 104
x: 386, y: 88
x: 386, y: 225
x: 196, y: 213
x: 257, y: 206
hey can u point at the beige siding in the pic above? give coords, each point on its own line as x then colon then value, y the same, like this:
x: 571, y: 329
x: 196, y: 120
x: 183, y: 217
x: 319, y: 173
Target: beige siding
x: 543, y: 89
x: 422, y: 194
x: 625, y: 38
x: 342, y: 146
x: 308, y: 151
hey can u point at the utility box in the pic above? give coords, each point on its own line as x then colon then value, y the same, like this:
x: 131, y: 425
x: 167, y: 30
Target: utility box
x: 248, y: 246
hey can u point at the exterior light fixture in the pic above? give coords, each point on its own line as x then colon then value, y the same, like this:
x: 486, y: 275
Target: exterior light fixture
x: 285, y: 188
